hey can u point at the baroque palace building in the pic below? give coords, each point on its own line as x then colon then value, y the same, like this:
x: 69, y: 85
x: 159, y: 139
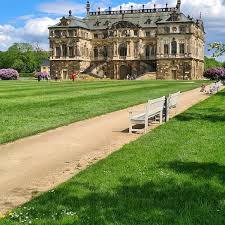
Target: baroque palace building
x: 161, y: 42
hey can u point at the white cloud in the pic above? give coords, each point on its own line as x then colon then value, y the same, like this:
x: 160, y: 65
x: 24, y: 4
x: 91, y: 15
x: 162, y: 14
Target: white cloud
x: 34, y: 30
x: 61, y: 7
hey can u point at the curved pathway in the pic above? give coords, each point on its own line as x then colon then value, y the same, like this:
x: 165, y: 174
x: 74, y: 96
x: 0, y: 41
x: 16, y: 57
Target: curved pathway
x: 39, y: 163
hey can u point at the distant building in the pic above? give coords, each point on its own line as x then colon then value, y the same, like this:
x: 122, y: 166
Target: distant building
x: 136, y: 41
x: 45, y: 66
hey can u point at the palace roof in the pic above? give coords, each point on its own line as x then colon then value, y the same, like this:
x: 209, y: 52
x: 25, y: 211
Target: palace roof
x: 145, y: 18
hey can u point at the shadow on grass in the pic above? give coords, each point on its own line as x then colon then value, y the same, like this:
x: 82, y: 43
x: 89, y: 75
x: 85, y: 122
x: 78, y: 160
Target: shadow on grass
x: 165, y: 202
x: 208, y: 117
x: 198, y: 170
x: 206, y: 113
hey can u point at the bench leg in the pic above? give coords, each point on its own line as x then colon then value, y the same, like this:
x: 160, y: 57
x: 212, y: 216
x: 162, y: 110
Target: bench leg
x: 130, y: 128
x: 161, y: 117
x: 146, y: 126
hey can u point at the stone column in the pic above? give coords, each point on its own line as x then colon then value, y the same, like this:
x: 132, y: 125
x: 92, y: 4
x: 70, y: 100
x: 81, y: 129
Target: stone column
x: 61, y: 51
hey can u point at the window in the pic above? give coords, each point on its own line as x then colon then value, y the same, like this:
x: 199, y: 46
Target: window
x: 111, y: 33
x: 123, y: 50
x: 105, y: 35
x: 64, y: 50
x: 58, y: 52
x: 71, y: 51
x: 148, y: 21
x: 152, y: 49
x: 147, y: 34
x: 166, y: 29
x: 147, y: 51
x: 106, y: 23
x: 95, y: 52
x: 105, y: 52
x: 174, y: 47
x: 57, y: 33
x: 124, y: 33
x: 97, y: 23
x: 182, y: 29
x: 181, y: 48
x: 135, y: 33
x: 70, y: 33
x: 135, y: 49
x: 166, y: 49
x: 95, y: 35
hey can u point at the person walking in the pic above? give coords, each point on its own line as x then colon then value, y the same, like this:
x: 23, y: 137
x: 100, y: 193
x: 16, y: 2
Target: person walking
x: 39, y: 77
x: 73, y: 77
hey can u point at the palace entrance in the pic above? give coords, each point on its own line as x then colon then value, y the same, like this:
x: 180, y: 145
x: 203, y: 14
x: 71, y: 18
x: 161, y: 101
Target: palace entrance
x: 64, y: 74
x: 124, y: 70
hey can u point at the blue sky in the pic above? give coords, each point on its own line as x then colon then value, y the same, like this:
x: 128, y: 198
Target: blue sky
x: 27, y: 20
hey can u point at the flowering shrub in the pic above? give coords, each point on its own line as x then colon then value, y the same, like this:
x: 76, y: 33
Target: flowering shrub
x: 215, y: 73
x: 42, y: 74
x: 9, y: 74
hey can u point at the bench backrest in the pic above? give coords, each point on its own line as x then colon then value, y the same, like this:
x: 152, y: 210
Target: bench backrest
x: 172, y: 100
x: 155, y: 105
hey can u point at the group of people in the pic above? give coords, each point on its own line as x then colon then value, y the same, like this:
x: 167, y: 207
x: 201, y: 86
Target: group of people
x: 40, y: 77
x: 130, y: 77
x: 73, y: 77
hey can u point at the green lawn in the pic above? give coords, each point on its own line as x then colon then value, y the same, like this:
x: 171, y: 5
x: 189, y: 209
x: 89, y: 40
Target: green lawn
x: 174, y: 175
x: 29, y: 107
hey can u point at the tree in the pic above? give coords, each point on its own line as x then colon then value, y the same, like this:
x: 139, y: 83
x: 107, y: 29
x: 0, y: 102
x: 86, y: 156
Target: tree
x: 218, y: 48
x: 23, y: 57
x: 18, y: 65
x: 212, y: 63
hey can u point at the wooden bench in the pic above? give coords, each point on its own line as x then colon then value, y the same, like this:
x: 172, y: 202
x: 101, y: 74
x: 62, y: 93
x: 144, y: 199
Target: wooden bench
x: 154, y: 108
x: 171, y: 103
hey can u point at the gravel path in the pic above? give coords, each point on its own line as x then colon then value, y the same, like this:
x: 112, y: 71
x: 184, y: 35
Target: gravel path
x: 38, y: 163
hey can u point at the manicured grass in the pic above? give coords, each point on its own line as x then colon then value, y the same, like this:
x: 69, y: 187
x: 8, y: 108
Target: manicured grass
x: 29, y: 107
x: 174, y: 175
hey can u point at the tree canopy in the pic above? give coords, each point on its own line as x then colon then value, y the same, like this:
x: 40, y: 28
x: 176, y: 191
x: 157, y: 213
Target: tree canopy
x: 212, y: 63
x: 218, y: 48
x: 23, y: 57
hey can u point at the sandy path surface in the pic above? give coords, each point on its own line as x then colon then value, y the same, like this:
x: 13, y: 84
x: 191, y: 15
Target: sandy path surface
x: 39, y: 163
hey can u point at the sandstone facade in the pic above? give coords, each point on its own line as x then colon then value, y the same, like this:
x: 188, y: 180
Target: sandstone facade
x: 117, y: 43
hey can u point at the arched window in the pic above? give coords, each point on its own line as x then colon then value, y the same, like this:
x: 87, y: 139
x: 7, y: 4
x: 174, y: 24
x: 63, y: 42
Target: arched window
x: 105, y: 51
x: 124, y: 33
x: 152, y: 48
x: 174, y: 47
x: 95, y: 52
x: 123, y: 49
x: 166, y: 49
x: 147, y: 50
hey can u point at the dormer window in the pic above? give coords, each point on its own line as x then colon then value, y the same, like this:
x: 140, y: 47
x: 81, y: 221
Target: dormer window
x: 97, y: 23
x: 174, y: 17
x: 64, y: 22
x: 106, y: 23
x: 148, y: 21
x: 158, y: 20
